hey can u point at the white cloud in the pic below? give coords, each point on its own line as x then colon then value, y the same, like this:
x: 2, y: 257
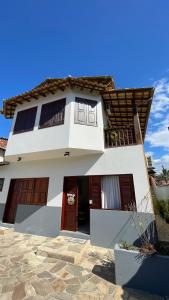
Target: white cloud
x: 159, y: 138
x: 159, y: 162
x: 149, y: 153
x: 158, y: 134
x: 161, y: 96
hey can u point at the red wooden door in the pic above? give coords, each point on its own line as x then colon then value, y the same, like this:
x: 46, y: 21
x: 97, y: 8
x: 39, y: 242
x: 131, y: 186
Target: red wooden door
x: 12, y: 201
x: 70, y: 212
x: 95, y: 192
x: 128, y: 201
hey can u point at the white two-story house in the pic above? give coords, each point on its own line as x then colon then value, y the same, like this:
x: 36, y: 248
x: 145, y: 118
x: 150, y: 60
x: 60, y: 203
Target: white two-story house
x: 76, y: 159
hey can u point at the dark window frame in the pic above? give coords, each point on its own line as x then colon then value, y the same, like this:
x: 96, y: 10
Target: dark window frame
x: 62, y: 103
x: 86, y: 103
x: 1, y: 183
x: 20, y: 120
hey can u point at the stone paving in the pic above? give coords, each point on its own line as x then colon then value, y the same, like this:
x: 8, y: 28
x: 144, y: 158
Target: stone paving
x: 34, y: 267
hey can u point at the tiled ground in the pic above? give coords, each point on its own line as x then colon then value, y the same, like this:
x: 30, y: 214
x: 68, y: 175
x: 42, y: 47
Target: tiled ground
x: 30, y: 269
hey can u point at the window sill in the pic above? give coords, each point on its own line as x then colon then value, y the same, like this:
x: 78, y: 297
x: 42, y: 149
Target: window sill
x: 85, y: 124
x: 18, y: 132
x: 43, y: 127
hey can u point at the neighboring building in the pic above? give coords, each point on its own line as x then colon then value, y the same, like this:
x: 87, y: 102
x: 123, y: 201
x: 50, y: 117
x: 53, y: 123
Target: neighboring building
x: 3, y: 143
x: 160, y: 187
x: 150, y: 168
x: 75, y: 154
x: 163, y: 183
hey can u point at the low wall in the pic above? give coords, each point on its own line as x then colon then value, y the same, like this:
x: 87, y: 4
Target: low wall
x: 39, y: 220
x: 148, y: 273
x: 108, y: 227
x: 162, y: 192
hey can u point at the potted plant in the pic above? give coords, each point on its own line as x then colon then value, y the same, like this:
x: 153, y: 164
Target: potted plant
x: 145, y: 266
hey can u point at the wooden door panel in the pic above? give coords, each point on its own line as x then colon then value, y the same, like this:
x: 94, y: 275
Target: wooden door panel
x: 95, y: 191
x: 39, y: 198
x: 69, y: 214
x: 25, y: 191
x: 128, y: 201
x: 40, y: 191
x: 11, y: 204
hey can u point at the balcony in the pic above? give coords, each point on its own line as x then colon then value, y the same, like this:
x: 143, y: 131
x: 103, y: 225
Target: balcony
x: 117, y: 137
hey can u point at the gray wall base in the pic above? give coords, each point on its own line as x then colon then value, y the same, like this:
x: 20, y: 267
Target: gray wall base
x: 2, y: 208
x: 39, y: 220
x: 148, y: 273
x: 108, y: 227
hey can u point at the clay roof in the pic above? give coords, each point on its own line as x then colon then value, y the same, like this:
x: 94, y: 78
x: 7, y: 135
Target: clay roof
x: 51, y: 85
x: 120, y: 104
x: 3, y: 143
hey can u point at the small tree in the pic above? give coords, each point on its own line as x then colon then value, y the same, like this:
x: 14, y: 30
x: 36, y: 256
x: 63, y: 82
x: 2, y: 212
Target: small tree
x: 164, y: 175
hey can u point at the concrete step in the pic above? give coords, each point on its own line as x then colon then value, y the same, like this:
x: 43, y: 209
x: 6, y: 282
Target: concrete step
x: 75, y: 234
x: 63, y: 248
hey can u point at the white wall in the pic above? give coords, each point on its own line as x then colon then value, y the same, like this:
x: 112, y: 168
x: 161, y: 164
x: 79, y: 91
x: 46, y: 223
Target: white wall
x: 121, y: 160
x: 54, y: 141
x: 2, y: 152
x: 82, y: 136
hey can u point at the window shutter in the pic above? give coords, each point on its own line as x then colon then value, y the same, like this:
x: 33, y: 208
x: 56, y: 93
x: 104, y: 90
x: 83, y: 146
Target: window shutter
x: 91, y: 113
x: 95, y: 191
x: 80, y: 111
x: 128, y: 201
x: 52, y: 113
x: 85, y: 112
x: 25, y: 120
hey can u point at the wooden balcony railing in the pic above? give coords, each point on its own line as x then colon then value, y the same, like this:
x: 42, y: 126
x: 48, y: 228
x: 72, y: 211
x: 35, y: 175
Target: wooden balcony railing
x: 119, y: 137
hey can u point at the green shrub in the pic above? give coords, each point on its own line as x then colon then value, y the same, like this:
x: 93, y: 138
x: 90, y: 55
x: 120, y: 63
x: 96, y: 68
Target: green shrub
x: 126, y: 246
x: 161, y: 208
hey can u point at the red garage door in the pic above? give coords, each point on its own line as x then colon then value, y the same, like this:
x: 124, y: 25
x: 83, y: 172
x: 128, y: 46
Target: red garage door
x: 25, y: 191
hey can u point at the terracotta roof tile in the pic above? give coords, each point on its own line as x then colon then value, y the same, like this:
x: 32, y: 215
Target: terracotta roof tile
x: 51, y: 85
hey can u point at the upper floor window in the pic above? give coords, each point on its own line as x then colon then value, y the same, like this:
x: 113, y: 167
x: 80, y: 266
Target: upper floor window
x: 25, y: 120
x: 1, y: 184
x: 52, y: 113
x: 85, y: 112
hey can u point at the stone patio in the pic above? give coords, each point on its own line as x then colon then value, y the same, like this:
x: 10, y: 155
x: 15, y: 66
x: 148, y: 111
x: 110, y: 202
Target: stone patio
x: 35, y: 267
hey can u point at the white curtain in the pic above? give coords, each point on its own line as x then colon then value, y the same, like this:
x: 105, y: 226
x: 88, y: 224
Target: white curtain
x: 111, y: 192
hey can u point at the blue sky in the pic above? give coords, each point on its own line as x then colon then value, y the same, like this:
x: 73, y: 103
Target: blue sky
x: 125, y: 39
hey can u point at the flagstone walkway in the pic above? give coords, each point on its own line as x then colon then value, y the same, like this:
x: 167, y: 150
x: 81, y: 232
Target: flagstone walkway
x: 34, y: 267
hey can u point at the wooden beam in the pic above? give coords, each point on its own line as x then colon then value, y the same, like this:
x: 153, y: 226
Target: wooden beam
x: 50, y: 91
x: 60, y: 87
x: 26, y: 99
x: 35, y: 96
x: 19, y: 102
x: 134, y: 107
x: 123, y: 106
x: 43, y: 94
x: 10, y: 104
